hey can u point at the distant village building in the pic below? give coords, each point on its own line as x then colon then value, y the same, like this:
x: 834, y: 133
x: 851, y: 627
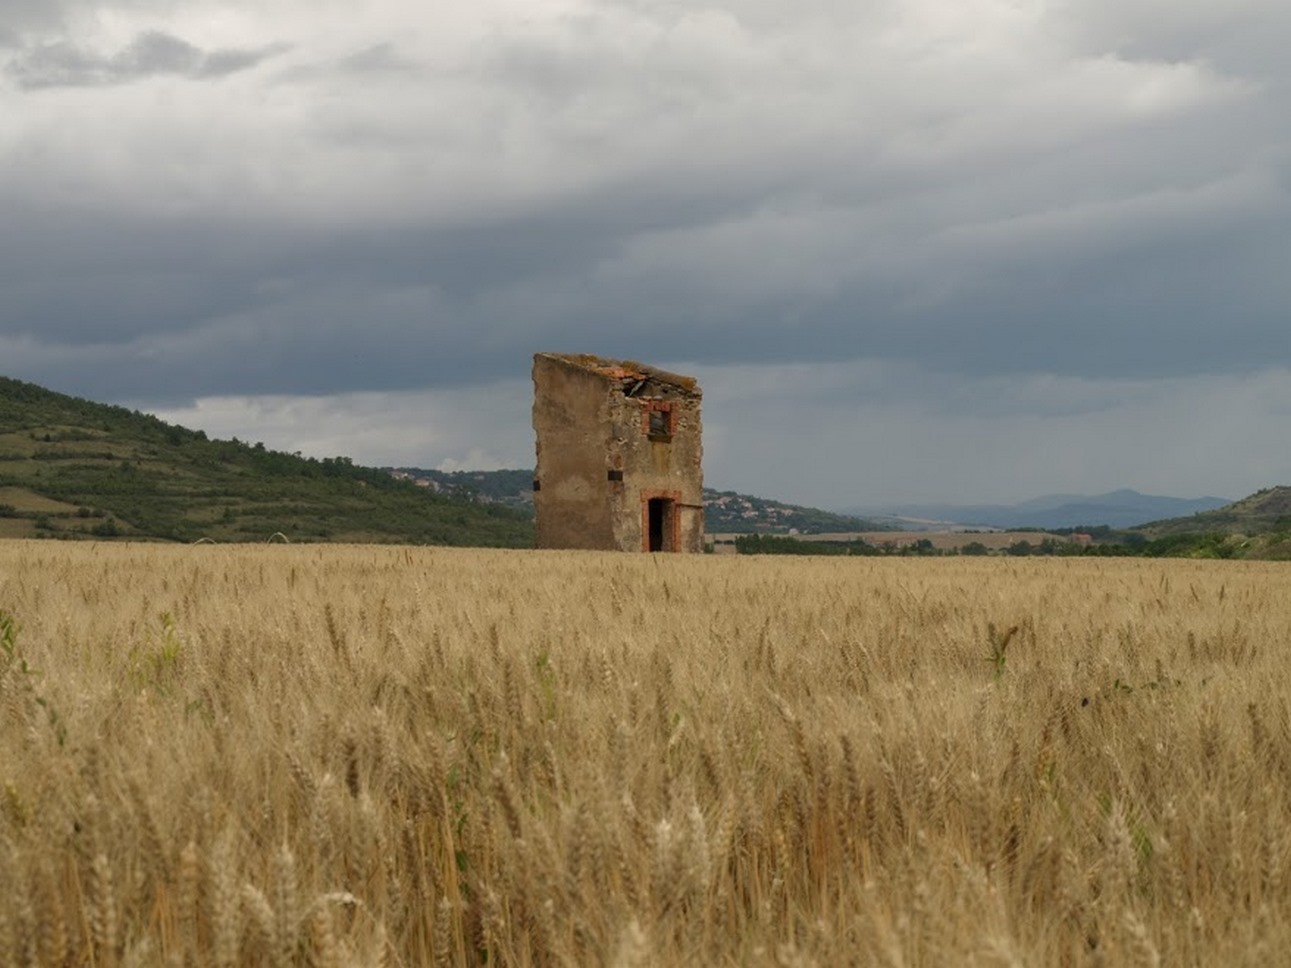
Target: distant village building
x: 619, y: 456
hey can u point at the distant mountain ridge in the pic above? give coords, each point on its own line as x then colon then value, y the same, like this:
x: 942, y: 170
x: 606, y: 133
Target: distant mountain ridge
x: 1122, y: 508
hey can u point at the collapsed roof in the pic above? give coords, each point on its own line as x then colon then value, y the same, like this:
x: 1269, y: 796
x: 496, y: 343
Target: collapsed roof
x: 635, y: 379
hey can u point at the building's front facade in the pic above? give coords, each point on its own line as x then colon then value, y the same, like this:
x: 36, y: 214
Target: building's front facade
x: 619, y: 456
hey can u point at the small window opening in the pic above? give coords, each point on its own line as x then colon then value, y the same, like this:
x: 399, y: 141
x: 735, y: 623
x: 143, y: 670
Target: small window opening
x: 616, y: 475
x: 659, y: 424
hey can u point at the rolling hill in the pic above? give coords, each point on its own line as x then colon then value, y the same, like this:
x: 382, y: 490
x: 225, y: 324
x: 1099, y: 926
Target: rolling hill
x: 1265, y: 511
x: 1118, y: 509
x: 71, y: 468
x: 1259, y: 525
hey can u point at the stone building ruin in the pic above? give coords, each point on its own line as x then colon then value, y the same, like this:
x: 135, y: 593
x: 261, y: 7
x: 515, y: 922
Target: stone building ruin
x: 619, y: 456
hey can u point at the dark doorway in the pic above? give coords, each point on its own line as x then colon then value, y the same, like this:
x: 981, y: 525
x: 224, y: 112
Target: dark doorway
x: 660, y: 518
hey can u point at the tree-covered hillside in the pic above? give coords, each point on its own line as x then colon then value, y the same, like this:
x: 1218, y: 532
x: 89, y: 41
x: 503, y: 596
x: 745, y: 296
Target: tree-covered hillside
x: 512, y: 488
x: 73, y: 468
x: 1257, y: 526
x: 1264, y: 511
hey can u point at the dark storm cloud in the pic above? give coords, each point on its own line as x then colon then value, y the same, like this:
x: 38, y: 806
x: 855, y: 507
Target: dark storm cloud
x: 250, y: 308
x: 964, y: 195
x: 229, y: 306
x: 151, y: 53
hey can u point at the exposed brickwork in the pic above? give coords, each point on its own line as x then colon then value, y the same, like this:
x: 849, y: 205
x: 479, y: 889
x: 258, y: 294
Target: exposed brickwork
x: 649, y: 409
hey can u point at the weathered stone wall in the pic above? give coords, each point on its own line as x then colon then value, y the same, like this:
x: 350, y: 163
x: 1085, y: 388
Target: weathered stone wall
x: 599, y: 464
x: 570, y: 413
x: 656, y: 468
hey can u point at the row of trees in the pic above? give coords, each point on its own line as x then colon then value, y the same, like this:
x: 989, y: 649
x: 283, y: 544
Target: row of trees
x: 1123, y: 544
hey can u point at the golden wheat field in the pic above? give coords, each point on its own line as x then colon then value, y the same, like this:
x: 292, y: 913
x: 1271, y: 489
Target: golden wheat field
x: 333, y: 755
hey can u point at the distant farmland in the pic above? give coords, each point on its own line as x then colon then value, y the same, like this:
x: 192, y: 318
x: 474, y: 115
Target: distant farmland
x: 941, y: 540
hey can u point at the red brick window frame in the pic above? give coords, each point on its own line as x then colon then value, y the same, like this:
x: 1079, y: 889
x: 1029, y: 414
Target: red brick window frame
x: 657, y: 419
x: 672, y: 538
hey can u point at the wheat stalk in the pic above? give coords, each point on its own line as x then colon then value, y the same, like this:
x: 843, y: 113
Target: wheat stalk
x: 103, y: 910
x: 799, y: 762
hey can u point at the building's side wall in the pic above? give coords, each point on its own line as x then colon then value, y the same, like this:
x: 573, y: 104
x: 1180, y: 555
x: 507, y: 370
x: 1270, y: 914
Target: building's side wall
x: 653, y: 468
x: 570, y: 416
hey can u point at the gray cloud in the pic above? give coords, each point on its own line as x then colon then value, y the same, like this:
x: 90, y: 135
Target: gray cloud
x: 240, y: 308
x: 1243, y: 35
x: 971, y: 195
x: 20, y: 16
x: 150, y: 53
x: 378, y: 58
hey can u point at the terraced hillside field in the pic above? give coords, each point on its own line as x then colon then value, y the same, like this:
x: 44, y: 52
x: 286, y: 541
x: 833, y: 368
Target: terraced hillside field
x: 343, y: 755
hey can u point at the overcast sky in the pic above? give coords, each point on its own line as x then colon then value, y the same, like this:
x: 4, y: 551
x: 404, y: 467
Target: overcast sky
x: 961, y: 250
